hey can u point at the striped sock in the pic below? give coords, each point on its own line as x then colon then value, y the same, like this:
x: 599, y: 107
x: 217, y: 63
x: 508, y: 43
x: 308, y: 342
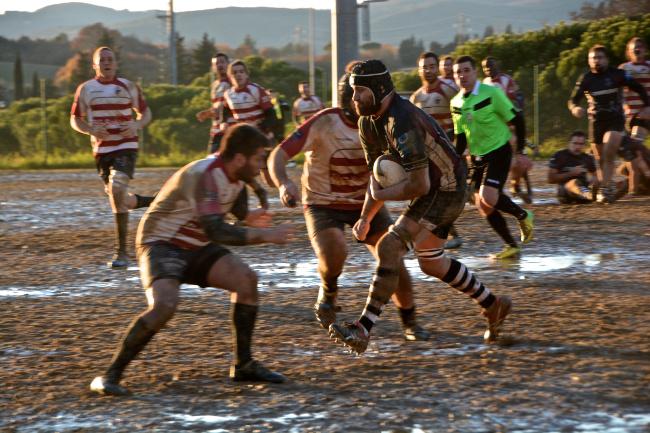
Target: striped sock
x: 371, y: 312
x: 464, y: 280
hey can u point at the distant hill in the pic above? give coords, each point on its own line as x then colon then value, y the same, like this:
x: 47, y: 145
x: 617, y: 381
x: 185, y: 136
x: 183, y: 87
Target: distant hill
x: 391, y: 21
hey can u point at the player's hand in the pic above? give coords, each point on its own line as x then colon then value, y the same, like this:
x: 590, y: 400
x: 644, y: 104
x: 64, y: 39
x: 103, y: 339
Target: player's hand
x: 578, y: 112
x: 260, y: 218
x: 99, y: 131
x: 644, y: 114
x: 204, y: 114
x: 376, y: 191
x: 280, y: 234
x: 129, y: 129
x: 289, y: 194
x: 361, y: 229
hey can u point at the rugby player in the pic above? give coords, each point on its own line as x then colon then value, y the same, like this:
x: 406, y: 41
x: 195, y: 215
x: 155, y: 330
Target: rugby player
x: 103, y: 108
x: 602, y: 85
x: 306, y: 105
x: 435, y: 185
x: 638, y: 67
x: 180, y: 240
x: 334, y: 182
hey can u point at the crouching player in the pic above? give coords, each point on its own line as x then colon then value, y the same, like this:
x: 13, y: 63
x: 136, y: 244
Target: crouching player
x: 180, y: 240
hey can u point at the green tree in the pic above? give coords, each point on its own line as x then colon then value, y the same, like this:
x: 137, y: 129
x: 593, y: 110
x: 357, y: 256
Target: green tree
x: 183, y: 61
x: 409, y: 50
x: 36, y: 85
x: 202, y: 56
x: 489, y: 31
x: 19, y: 86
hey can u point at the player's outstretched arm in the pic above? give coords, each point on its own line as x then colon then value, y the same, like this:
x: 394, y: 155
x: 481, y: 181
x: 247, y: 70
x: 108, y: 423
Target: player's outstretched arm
x: 221, y: 232
x: 277, y: 169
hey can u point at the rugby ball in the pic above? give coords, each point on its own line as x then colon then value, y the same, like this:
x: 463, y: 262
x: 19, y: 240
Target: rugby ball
x: 388, y: 171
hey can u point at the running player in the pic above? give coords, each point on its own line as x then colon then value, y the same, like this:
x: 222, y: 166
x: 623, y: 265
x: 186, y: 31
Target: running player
x: 638, y: 67
x: 180, y: 241
x: 521, y: 164
x: 217, y: 90
x: 434, y: 98
x: 481, y: 115
x: 247, y: 102
x: 103, y: 108
x: 602, y: 85
x: 306, y: 105
x: 334, y: 182
x: 437, y: 190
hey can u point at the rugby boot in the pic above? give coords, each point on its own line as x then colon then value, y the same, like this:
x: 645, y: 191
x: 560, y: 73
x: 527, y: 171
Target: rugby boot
x: 120, y: 260
x: 526, y: 227
x: 254, y: 371
x: 495, y: 316
x: 416, y: 333
x: 609, y: 194
x: 508, y: 252
x: 352, y: 335
x: 104, y: 386
x: 325, y: 311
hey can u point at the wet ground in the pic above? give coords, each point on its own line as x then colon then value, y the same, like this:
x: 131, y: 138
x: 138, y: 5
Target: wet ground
x: 575, y: 355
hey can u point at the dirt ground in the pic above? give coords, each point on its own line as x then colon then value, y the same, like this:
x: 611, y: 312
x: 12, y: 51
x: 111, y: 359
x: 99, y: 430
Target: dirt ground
x: 574, y: 357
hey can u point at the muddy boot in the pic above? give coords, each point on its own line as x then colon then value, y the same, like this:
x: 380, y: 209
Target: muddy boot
x: 495, y: 315
x: 137, y: 337
x: 325, y: 308
x: 254, y: 371
x: 120, y: 258
x: 412, y: 331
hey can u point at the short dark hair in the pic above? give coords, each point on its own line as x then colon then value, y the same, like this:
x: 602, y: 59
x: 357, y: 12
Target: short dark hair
x: 598, y: 47
x: 445, y: 58
x: 463, y: 59
x: 220, y: 54
x: 237, y: 62
x: 577, y: 133
x: 242, y: 138
x: 351, y: 64
x: 428, y: 55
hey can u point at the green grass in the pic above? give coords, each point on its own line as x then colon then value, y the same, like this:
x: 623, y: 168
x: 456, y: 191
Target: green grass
x: 86, y: 160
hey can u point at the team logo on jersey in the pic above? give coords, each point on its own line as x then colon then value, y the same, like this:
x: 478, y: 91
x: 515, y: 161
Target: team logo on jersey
x: 402, y: 138
x: 438, y: 100
x: 118, y: 90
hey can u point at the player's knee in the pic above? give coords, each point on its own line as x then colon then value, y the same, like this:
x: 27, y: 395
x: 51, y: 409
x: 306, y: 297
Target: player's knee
x: 391, y: 246
x: 118, y: 188
x: 162, y: 311
x: 432, y: 260
x: 484, y: 207
x: 247, y: 286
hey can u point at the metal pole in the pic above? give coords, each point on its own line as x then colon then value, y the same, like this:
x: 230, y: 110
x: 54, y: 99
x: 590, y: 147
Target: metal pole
x: 171, y: 28
x: 46, y: 146
x: 345, y: 40
x: 536, y: 103
x: 365, y: 21
x: 312, y: 72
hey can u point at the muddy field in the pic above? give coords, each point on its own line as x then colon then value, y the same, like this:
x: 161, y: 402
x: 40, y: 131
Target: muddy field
x: 575, y: 356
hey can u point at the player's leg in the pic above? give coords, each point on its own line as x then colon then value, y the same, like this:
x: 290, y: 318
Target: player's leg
x: 325, y: 230
x: 229, y: 272
x: 403, y: 296
x: 390, y: 249
x: 161, y: 270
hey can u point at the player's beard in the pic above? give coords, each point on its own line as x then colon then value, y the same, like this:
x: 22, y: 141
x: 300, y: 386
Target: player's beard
x: 247, y: 173
x: 364, y: 109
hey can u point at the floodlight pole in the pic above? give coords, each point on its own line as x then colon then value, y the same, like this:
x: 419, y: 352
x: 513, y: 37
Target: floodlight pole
x: 345, y: 40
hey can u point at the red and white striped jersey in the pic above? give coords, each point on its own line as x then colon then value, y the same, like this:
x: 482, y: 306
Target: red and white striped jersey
x: 507, y: 84
x: 335, y: 173
x: 641, y: 73
x: 436, y: 102
x: 247, y: 104
x: 217, y: 91
x: 200, y: 188
x: 109, y: 104
x: 450, y: 82
x: 304, y: 108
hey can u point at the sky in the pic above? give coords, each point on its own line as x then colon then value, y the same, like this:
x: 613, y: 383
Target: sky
x: 179, y: 5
